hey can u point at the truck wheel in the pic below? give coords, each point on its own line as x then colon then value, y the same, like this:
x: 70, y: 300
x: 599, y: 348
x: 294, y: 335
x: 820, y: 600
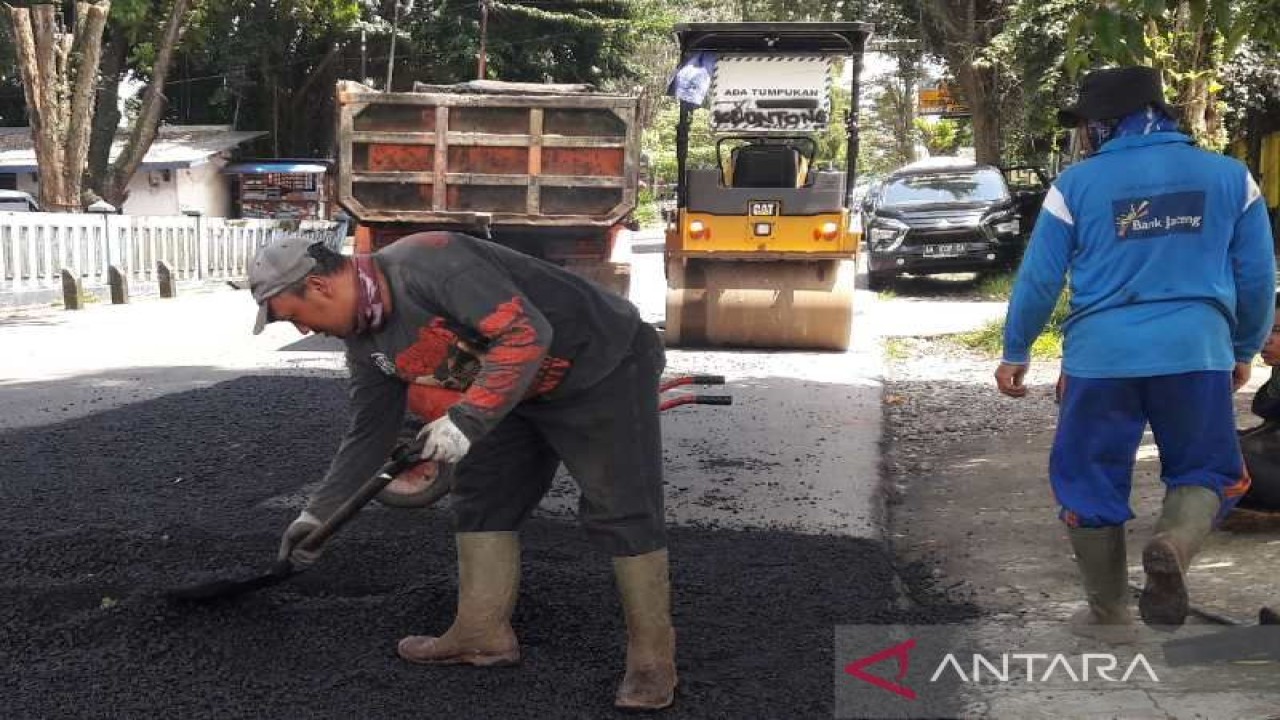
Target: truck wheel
x: 615, y: 277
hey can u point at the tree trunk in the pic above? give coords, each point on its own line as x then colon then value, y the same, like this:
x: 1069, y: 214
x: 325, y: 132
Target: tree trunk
x: 154, y: 102
x: 959, y: 30
x: 904, y: 114
x: 1193, y: 99
x: 978, y: 86
x: 107, y: 118
x: 59, y: 71
x: 86, y: 52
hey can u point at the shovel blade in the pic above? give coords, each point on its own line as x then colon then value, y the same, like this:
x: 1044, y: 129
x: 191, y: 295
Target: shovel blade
x: 227, y: 589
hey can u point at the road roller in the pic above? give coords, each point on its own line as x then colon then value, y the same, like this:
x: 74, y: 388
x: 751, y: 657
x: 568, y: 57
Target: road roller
x: 761, y: 246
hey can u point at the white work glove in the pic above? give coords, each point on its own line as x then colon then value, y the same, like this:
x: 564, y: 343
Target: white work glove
x: 297, y: 530
x: 443, y: 442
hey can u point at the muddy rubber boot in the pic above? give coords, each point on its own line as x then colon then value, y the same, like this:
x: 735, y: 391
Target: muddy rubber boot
x: 1185, y: 522
x: 645, y: 587
x: 488, y: 582
x: 1101, y: 558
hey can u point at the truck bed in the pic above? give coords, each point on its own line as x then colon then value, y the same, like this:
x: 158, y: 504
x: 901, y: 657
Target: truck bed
x: 476, y: 155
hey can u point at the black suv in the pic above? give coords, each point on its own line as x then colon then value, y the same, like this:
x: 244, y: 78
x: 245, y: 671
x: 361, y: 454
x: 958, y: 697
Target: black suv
x: 946, y: 215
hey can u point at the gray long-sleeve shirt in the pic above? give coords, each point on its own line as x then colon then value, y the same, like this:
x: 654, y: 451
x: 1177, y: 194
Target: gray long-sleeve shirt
x: 470, y: 315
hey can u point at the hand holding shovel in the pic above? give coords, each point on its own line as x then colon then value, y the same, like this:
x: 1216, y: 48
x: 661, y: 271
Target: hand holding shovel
x: 284, y: 568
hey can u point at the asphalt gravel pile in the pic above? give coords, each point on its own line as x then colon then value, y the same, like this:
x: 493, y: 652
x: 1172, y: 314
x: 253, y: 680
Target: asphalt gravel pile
x: 104, y: 513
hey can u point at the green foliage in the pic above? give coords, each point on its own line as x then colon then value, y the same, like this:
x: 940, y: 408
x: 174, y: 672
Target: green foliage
x: 659, y: 142
x: 1030, y: 53
x: 528, y: 40
x: 896, y: 348
x: 833, y: 142
x: 1190, y: 41
x: 272, y: 64
x: 944, y: 136
x: 996, y: 287
x: 131, y: 14
x: 13, y: 104
x: 888, y: 135
x: 646, y: 212
x: 989, y: 339
x: 1251, y: 88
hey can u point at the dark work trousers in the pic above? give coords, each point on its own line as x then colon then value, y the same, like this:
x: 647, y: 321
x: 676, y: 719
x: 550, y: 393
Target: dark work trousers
x: 609, y: 438
x: 1100, y: 425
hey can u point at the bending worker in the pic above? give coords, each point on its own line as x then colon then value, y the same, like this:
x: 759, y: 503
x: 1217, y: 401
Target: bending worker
x: 552, y: 369
x: 1172, y: 277
x: 1260, y: 445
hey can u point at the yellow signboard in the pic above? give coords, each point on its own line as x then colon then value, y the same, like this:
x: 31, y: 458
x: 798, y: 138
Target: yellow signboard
x: 939, y: 101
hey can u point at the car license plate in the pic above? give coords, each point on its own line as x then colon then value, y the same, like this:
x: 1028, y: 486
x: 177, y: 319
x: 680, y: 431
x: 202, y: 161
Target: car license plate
x: 945, y: 250
x: 762, y: 209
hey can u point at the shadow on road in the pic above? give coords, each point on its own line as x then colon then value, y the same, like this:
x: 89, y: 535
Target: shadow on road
x: 316, y: 343
x: 961, y: 287
x: 30, y: 320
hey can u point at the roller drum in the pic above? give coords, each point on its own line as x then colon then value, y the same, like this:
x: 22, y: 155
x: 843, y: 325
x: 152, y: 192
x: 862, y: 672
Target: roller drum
x: 798, y: 304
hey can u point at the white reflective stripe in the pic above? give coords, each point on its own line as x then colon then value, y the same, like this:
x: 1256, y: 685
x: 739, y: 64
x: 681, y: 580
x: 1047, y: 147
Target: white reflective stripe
x: 1251, y: 193
x: 1056, y: 205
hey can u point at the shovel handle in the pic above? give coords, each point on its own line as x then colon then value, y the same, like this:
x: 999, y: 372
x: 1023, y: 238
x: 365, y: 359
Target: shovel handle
x: 402, y: 457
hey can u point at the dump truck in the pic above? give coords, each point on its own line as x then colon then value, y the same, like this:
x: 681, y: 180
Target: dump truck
x: 549, y: 170
x: 760, y: 249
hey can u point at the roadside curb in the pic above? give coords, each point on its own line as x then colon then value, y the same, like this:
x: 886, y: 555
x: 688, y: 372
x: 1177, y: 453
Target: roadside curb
x: 868, y: 347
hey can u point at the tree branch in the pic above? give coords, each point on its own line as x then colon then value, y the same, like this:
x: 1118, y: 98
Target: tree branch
x: 942, y: 13
x: 153, y: 105
x: 106, y: 118
x: 85, y: 57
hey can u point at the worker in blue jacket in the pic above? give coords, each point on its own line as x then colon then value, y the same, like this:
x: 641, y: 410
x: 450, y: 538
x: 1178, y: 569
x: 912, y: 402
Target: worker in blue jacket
x: 1172, y: 274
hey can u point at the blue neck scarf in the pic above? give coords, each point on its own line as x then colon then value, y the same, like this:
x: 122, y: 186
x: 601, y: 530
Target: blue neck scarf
x: 1143, y: 122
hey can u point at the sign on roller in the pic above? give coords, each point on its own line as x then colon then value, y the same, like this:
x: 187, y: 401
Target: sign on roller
x: 781, y: 93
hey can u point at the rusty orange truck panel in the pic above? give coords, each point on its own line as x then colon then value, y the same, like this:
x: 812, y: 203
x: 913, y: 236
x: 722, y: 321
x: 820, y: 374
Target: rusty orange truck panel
x: 466, y: 155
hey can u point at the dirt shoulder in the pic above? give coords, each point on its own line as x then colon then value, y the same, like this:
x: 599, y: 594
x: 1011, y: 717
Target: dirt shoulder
x: 970, y: 501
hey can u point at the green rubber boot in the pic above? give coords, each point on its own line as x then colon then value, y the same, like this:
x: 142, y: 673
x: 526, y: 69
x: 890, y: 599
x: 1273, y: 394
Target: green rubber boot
x: 488, y: 583
x: 1101, y: 558
x: 1184, y: 524
x: 645, y: 586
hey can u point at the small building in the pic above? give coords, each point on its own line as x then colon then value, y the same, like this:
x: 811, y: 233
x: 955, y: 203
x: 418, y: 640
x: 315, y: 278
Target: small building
x: 281, y: 189
x: 181, y: 172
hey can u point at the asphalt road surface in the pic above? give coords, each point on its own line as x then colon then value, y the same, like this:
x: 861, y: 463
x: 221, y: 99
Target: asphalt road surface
x: 158, y: 444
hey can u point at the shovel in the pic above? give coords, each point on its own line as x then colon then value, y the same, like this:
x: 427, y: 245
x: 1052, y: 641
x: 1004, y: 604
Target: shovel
x: 401, y: 457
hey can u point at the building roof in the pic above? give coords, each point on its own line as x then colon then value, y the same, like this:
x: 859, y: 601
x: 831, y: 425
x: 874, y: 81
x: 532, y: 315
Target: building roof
x: 264, y: 167
x: 175, y: 146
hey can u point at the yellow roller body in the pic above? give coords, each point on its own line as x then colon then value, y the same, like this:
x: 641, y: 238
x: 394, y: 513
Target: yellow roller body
x: 789, y: 303
x: 786, y: 234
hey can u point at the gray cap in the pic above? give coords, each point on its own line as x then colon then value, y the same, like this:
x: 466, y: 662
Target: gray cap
x: 278, y: 265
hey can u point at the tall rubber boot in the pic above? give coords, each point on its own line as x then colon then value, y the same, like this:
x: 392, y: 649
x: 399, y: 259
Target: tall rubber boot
x: 488, y: 583
x: 645, y: 586
x: 1100, y: 556
x: 1185, y: 522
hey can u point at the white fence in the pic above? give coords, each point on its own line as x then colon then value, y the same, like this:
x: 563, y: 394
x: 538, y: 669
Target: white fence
x: 35, y: 248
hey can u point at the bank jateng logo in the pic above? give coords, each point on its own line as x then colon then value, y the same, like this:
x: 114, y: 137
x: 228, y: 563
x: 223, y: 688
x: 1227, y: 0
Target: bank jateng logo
x: 1169, y: 214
